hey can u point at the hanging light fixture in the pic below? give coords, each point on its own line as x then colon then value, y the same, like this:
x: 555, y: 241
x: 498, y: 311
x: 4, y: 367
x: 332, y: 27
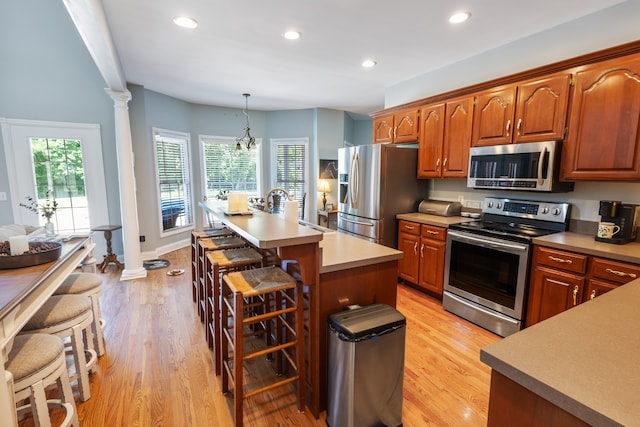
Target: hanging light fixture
x: 246, y: 139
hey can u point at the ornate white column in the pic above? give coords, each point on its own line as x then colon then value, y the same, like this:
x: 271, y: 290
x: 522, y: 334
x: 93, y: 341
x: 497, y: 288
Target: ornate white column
x: 133, y: 268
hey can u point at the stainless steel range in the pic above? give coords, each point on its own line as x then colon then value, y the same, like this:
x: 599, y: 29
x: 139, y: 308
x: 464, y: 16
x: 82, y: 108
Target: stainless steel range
x: 487, y: 261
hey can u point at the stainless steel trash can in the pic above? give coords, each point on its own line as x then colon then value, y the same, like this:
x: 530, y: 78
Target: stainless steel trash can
x: 366, y: 367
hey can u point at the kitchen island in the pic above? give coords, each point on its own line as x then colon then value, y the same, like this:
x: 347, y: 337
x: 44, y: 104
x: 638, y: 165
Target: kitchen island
x: 337, y: 269
x: 22, y: 292
x: 577, y: 368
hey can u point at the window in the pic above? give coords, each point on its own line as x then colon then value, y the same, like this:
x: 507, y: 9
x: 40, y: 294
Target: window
x: 65, y: 158
x: 173, y: 179
x: 227, y: 169
x: 59, y: 176
x: 290, y: 167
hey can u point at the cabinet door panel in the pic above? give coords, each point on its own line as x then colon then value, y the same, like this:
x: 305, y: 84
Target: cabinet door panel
x: 457, y: 137
x: 552, y: 293
x: 430, y: 141
x: 432, y: 254
x: 383, y: 129
x: 604, y: 128
x: 409, y: 264
x: 406, y: 126
x: 493, y: 121
x: 541, y: 109
x: 595, y: 288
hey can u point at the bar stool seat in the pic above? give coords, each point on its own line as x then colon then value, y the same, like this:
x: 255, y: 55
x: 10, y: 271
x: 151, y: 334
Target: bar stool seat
x: 90, y: 285
x: 37, y: 361
x: 69, y: 316
x: 205, y: 246
x: 216, y: 264
x: 196, y: 236
x: 281, y: 299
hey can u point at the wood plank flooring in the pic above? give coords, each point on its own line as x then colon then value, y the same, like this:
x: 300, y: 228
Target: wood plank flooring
x: 158, y: 370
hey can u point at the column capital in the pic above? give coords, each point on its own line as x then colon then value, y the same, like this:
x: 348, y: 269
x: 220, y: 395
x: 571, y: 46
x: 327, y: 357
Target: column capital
x: 120, y: 97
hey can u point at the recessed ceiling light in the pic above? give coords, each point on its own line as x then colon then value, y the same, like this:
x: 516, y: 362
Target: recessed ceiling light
x: 292, y: 35
x: 459, y: 17
x: 185, y: 22
x: 368, y: 63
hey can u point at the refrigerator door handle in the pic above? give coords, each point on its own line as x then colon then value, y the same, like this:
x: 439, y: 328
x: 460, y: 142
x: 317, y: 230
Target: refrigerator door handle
x: 368, y: 224
x: 354, y: 181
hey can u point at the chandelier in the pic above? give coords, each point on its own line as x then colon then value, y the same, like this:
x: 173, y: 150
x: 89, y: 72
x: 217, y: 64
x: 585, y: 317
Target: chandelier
x: 246, y: 139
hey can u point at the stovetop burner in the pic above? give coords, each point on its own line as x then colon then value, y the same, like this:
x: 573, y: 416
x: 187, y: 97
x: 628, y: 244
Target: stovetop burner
x: 518, y: 220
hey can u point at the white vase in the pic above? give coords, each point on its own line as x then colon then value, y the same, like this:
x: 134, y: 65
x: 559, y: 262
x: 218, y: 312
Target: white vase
x: 49, y: 229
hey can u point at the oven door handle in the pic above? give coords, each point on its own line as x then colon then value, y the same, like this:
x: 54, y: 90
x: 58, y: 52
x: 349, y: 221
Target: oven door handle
x: 485, y: 242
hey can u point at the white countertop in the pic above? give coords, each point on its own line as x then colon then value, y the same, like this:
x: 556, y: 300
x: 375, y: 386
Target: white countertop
x: 341, y: 251
x: 586, y: 244
x: 438, y: 221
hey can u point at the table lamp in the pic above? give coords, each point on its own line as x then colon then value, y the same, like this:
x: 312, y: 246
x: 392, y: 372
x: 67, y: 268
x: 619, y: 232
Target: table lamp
x: 323, y: 187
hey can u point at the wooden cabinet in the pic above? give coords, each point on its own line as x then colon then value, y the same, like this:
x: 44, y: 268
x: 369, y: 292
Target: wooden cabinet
x: 534, y: 110
x: 408, y: 242
x: 432, y: 253
x: 424, y: 251
x: 562, y: 279
x: 445, y: 137
x: 603, y: 142
x: 398, y: 127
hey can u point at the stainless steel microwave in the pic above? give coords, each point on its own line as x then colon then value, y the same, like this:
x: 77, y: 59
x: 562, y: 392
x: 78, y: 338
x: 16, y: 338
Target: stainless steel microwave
x: 532, y: 166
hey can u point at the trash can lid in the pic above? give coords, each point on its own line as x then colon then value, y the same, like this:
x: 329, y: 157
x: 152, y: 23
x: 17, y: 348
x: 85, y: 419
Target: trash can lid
x: 365, y: 322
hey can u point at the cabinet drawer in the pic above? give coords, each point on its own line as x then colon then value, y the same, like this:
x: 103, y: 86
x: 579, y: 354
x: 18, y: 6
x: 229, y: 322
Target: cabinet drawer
x: 433, y: 232
x: 568, y: 261
x: 614, y: 271
x: 409, y: 227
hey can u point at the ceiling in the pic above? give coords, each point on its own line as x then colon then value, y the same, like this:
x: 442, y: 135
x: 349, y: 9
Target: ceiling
x: 238, y: 46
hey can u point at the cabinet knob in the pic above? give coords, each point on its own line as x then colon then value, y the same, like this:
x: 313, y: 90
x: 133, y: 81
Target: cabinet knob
x: 422, y: 250
x: 575, y: 294
x: 519, y: 125
x: 560, y: 260
x: 620, y: 273
x: 508, y: 128
x: 593, y: 294
x: 415, y: 248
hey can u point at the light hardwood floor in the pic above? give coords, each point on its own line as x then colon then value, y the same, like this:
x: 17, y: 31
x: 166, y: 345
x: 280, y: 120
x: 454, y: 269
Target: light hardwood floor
x: 158, y: 370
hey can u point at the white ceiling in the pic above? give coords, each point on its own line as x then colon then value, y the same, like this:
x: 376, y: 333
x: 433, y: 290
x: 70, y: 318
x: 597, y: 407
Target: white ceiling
x: 238, y: 46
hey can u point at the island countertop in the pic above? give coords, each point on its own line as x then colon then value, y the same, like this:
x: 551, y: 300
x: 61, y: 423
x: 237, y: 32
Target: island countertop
x: 339, y: 251
x: 584, y: 360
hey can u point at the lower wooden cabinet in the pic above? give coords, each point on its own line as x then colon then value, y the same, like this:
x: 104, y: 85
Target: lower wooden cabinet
x: 424, y: 252
x: 563, y: 279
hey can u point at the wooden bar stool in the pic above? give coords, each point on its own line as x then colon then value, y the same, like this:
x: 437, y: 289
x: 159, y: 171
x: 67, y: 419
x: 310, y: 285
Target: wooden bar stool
x: 205, y: 246
x: 89, y: 285
x: 37, y: 361
x: 196, y: 235
x: 217, y: 263
x: 282, y: 300
x: 69, y: 316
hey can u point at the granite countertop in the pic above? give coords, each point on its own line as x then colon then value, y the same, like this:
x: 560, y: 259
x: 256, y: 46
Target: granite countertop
x: 438, y: 221
x: 586, y: 244
x: 584, y: 360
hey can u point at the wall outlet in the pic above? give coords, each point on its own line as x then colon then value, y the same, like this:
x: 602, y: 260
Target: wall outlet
x: 3, y: 196
x: 142, y: 239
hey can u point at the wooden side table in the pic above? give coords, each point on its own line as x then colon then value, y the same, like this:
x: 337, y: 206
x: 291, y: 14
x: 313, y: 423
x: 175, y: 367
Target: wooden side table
x: 328, y: 217
x: 110, y: 257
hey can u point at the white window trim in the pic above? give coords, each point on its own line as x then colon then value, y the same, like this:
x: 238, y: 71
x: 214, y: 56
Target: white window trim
x: 16, y: 133
x: 172, y: 134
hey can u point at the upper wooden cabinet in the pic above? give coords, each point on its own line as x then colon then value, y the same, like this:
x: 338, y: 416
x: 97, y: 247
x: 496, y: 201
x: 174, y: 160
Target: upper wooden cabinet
x: 604, y: 125
x: 399, y: 127
x: 445, y: 137
x: 534, y: 110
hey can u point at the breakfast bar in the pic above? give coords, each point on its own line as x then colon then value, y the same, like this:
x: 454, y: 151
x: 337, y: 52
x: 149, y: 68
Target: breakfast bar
x: 337, y: 269
x: 22, y: 293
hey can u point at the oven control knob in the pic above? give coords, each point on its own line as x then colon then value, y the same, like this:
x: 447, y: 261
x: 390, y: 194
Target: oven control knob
x: 499, y: 205
x: 490, y: 204
x: 545, y: 210
x: 556, y: 211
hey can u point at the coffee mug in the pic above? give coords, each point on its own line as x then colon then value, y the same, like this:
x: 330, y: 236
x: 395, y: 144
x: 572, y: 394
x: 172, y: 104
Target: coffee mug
x: 607, y: 229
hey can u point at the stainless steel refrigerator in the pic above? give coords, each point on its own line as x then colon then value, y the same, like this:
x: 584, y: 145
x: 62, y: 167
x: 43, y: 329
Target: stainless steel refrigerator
x: 377, y: 182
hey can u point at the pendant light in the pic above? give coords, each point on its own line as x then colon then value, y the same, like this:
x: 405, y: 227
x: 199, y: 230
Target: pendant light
x: 246, y: 139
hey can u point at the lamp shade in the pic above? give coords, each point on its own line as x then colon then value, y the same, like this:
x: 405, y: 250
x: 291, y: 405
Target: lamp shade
x: 323, y: 186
